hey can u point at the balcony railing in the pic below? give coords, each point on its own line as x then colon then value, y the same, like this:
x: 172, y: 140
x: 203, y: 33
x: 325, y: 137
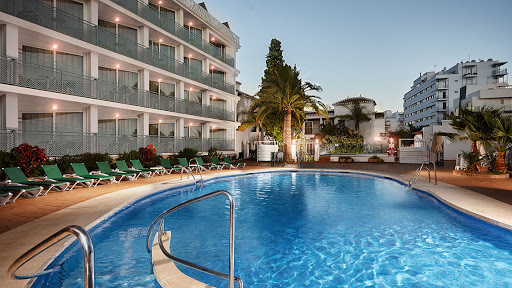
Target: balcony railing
x: 310, y: 130
x: 152, y: 15
x: 24, y: 74
x: 499, y: 72
x: 68, y: 143
x: 46, y: 16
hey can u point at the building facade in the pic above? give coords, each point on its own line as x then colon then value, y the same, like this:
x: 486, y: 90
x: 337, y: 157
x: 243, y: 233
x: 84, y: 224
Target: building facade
x: 114, y: 75
x: 433, y: 95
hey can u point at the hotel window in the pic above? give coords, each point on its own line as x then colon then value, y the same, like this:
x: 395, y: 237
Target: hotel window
x: 52, y: 59
x: 161, y: 88
x: 193, y: 96
x: 164, y: 11
x: 127, y: 127
x: 193, y: 132
x: 107, y: 127
x: 308, y: 127
x: 218, y: 77
x: 217, y: 133
x: 123, y: 32
x: 217, y: 103
x: 194, y: 63
x: 165, y: 51
x: 71, y: 7
x: 162, y: 129
x: 194, y: 33
x: 120, y: 77
x: 64, y: 122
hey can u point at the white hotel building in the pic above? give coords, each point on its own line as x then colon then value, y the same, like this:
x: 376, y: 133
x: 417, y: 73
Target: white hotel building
x: 435, y: 94
x: 114, y: 75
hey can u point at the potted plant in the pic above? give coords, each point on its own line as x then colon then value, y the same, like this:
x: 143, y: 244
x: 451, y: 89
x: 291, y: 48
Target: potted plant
x: 346, y: 159
x: 472, y: 158
x: 375, y: 159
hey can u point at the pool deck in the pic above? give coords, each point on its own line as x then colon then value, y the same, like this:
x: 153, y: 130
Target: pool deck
x: 29, y: 221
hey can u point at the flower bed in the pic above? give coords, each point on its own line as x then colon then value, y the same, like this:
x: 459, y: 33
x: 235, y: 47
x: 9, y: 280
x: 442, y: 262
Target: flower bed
x: 481, y: 175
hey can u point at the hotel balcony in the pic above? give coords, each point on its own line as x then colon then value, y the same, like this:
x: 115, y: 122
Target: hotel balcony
x: 442, y: 85
x: 28, y: 75
x: 46, y: 16
x: 67, y: 143
x: 153, y: 16
x: 470, y: 74
x: 499, y: 72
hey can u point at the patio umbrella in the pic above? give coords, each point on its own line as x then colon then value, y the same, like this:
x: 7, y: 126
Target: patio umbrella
x: 437, y: 144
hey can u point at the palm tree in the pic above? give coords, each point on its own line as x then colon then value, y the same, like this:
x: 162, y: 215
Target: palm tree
x: 357, y: 113
x: 284, y: 92
x: 500, y: 139
x: 473, y: 125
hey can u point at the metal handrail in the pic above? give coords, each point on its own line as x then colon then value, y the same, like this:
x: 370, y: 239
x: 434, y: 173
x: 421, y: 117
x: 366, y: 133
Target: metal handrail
x: 230, y: 277
x: 87, y: 250
x: 416, y: 174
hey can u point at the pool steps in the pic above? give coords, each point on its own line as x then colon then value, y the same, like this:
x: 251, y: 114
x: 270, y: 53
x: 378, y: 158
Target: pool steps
x: 166, y: 272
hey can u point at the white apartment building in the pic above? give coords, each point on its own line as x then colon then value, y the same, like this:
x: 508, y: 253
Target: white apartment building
x: 372, y: 131
x: 115, y: 75
x: 434, y: 94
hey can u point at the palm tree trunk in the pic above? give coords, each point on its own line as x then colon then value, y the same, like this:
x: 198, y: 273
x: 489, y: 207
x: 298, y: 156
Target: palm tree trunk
x: 500, y: 164
x: 474, y: 147
x: 287, y: 137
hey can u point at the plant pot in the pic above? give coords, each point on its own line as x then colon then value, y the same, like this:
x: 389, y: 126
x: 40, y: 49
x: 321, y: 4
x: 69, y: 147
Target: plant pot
x: 482, y: 169
x: 373, y: 160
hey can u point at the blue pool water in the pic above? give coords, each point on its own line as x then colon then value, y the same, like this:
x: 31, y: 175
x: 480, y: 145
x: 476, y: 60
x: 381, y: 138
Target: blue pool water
x: 303, y: 229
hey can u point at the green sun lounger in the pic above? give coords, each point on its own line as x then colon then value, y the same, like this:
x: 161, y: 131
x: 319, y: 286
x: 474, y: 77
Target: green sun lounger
x: 17, y: 176
x: 206, y: 166
x: 122, y: 166
x: 53, y: 173
x: 105, y: 168
x: 227, y: 160
x: 216, y: 161
x: 169, y: 168
x: 137, y: 165
x: 81, y: 171
x: 18, y: 190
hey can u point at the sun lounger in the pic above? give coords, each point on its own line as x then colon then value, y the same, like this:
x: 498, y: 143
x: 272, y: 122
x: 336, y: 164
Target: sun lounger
x: 17, y: 176
x: 137, y: 165
x: 206, y: 166
x: 216, y: 161
x: 53, y: 173
x: 169, y: 168
x: 122, y: 166
x: 81, y: 171
x: 17, y: 190
x: 105, y: 168
x: 238, y: 164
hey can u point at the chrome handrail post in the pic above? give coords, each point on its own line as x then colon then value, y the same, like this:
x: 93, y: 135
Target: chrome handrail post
x: 87, y: 250
x: 435, y: 173
x: 231, y: 272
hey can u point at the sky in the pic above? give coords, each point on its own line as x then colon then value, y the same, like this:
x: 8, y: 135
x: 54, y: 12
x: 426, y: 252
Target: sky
x: 373, y: 48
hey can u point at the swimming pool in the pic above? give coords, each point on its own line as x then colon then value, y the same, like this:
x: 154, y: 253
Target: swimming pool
x: 302, y: 229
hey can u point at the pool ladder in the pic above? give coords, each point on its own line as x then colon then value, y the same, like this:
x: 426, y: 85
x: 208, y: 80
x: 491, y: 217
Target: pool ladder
x: 230, y: 276
x: 414, y: 177
x: 87, y: 251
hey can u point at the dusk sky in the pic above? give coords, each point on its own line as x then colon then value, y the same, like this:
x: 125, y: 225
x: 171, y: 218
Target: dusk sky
x: 371, y: 47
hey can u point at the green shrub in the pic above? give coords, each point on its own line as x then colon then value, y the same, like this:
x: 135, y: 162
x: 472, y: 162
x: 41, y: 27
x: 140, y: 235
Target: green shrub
x: 212, y: 152
x: 132, y: 155
x: 6, y: 160
x: 148, y: 157
x: 346, y: 144
x: 188, y: 153
x: 64, y: 163
x: 375, y: 158
x: 90, y: 159
x: 472, y: 158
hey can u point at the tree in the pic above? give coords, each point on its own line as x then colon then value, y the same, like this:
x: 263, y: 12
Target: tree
x: 472, y: 125
x: 500, y: 139
x: 284, y: 92
x: 274, y: 57
x: 357, y: 113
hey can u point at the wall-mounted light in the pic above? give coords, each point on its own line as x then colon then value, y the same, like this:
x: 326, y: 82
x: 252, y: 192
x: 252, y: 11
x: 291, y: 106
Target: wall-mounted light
x: 160, y: 40
x: 213, y: 127
x: 117, y: 115
x: 55, y: 46
x: 212, y: 67
x: 189, y: 55
x: 190, y: 23
x: 117, y: 66
x: 190, y: 124
x: 159, y: 80
x: 54, y: 107
x: 213, y: 38
x: 316, y: 141
x: 160, y: 121
x: 160, y: 2
x: 213, y: 97
x: 190, y: 89
x: 116, y: 19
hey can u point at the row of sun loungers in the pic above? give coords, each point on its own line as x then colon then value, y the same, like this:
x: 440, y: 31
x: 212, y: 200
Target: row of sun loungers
x: 19, y: 185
